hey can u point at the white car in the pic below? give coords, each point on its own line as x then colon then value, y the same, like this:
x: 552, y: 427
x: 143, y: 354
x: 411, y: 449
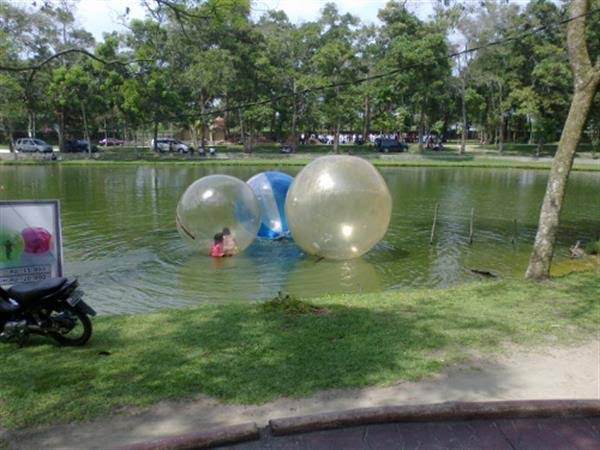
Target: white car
x: 32, y: 145
x: 170, y: 145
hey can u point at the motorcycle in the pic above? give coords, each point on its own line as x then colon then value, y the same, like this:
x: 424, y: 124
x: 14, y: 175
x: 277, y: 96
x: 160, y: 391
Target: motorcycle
x: 53, y: 307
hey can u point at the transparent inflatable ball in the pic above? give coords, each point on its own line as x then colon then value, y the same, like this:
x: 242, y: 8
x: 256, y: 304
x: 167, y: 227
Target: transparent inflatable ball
x: 271, y: 189
x: 338, y: 207
x: 216, y: 203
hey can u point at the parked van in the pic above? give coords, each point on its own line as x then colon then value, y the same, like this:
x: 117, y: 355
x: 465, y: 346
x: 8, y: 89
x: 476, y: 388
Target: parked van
x: 32, y: 145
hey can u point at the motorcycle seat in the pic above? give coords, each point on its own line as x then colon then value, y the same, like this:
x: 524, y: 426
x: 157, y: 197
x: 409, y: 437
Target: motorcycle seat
x: 24, y: 293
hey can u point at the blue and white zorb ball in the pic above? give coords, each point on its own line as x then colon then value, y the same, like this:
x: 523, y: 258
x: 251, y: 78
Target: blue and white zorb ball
x: 271, y: 189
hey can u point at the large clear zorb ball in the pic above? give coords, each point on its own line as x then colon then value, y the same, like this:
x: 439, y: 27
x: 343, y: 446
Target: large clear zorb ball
x: 213, y: 203
x: 338, y: 207
x: 271, y: 189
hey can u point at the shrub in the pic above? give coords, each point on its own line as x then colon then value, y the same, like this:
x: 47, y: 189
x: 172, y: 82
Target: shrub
x: 290, y: 305
x: 593, y: 247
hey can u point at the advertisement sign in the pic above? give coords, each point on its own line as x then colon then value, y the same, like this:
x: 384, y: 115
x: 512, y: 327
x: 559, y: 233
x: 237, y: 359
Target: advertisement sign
x: 30, y: 241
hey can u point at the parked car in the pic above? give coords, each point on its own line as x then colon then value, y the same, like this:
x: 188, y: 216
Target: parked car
x: 78, y: 145
x: 390, y: 145
x: 170, y: 145
x: 111, y: 141
x: 32, y: 145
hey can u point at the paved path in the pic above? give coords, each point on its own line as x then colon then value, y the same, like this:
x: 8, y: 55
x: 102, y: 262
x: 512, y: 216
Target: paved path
x: 520, y: 434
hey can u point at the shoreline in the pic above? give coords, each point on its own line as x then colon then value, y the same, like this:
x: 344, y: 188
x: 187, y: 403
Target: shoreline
x: 301, y: 159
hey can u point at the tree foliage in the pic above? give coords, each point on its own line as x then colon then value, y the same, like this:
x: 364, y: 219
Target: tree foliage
x: 191, y: 61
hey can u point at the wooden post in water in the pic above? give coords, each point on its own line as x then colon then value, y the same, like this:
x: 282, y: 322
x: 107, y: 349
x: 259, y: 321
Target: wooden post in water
x: 515, y: 232
x: 433, y: 225
x: 471, y: 226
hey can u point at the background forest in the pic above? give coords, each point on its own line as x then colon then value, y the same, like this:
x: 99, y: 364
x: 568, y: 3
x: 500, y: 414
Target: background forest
x: 496, y: 70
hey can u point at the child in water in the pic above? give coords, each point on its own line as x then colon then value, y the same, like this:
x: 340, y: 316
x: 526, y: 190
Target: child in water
x: 229, y: 244
x: 217, y: 248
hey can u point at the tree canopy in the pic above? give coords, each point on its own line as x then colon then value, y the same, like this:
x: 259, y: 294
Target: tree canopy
x: 190, y: 61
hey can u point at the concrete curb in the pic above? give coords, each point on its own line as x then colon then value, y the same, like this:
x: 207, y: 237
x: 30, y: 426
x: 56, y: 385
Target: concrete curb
x: 449, y: 411
x: 202, y: 439
x: 435, y: 412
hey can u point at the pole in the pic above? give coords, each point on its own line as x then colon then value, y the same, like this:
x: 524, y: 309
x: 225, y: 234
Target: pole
x: 471, y: 226
x: 515, y: 232
x: 435, y: 213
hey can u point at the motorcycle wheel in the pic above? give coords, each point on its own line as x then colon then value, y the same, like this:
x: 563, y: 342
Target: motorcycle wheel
x: 80, y: 334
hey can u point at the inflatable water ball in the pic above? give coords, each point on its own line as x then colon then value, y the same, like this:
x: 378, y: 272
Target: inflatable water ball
x: 213, y: 203
x: 37, y: 240
x: 271, y: 189
x: 11, y: 246
x: 338, y: 207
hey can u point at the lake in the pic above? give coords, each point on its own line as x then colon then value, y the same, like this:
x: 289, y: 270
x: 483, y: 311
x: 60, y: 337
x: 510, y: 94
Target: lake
x: 120, y: 238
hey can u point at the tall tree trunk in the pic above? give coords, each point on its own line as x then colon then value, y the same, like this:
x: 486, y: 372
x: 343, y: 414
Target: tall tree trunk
x: 61, y: 130
x: 421, y: 127
x: 273, y: 134
x: 336, y: 131
x: 463, y: 139
x: 366, y: 118
x: 30, y: 125
x: 11, y: 139
x: 194, y: 134
x: 586, y: 79
x: 294, y: 119
x: 155, y: 135
x: 248, y: 141
x: 86, y: 135
x: 336, y: 137
x: 501, y: 130
x: 226, y: 133
x: 242, y: 131
x: 202, y: 124
x: 106, y: 134
x: 539, y: 147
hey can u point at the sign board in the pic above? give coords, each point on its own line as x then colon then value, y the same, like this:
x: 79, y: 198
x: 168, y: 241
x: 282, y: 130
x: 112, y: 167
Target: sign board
x: 30, y: 241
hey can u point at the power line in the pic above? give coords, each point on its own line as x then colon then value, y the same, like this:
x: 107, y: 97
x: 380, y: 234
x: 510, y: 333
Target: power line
x: 318, y: 88
x: 41, y: 64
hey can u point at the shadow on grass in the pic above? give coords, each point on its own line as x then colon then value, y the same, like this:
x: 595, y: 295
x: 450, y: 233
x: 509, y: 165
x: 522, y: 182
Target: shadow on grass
x: 245, y: 354
x: 237, y: 353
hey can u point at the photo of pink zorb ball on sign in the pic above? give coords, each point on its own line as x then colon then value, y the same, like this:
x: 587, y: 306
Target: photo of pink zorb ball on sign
x: 38, y: 240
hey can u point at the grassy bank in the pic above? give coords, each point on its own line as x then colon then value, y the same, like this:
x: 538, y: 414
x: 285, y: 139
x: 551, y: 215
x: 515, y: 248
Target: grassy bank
x: 275, y: 160
x: 529, y: 149
x: 252, y: 353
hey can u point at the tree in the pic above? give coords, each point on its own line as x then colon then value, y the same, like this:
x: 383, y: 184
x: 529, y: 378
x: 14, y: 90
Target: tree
x: 419, y: 52
x: 335, y: 63
x: 12, y: 107
x: 586, y: 80
x: 73, y: 91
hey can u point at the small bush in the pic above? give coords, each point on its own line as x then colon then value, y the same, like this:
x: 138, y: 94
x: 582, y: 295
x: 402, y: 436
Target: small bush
x: 289, y: 304
x: 593, y: 247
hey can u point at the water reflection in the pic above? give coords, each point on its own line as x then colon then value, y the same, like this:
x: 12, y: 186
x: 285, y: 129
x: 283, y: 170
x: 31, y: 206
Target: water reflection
x: 312, y: 277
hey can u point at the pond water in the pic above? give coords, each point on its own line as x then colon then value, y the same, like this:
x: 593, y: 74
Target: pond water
x: 120, y: 238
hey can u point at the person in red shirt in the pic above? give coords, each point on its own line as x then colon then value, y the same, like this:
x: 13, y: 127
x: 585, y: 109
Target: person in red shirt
x: 217, y: 247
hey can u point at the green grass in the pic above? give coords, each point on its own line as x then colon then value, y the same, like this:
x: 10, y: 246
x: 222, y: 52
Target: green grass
x: 593, y: 247
x: 252, y: 353
x: 529, y: 149
x: 425, y: 160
